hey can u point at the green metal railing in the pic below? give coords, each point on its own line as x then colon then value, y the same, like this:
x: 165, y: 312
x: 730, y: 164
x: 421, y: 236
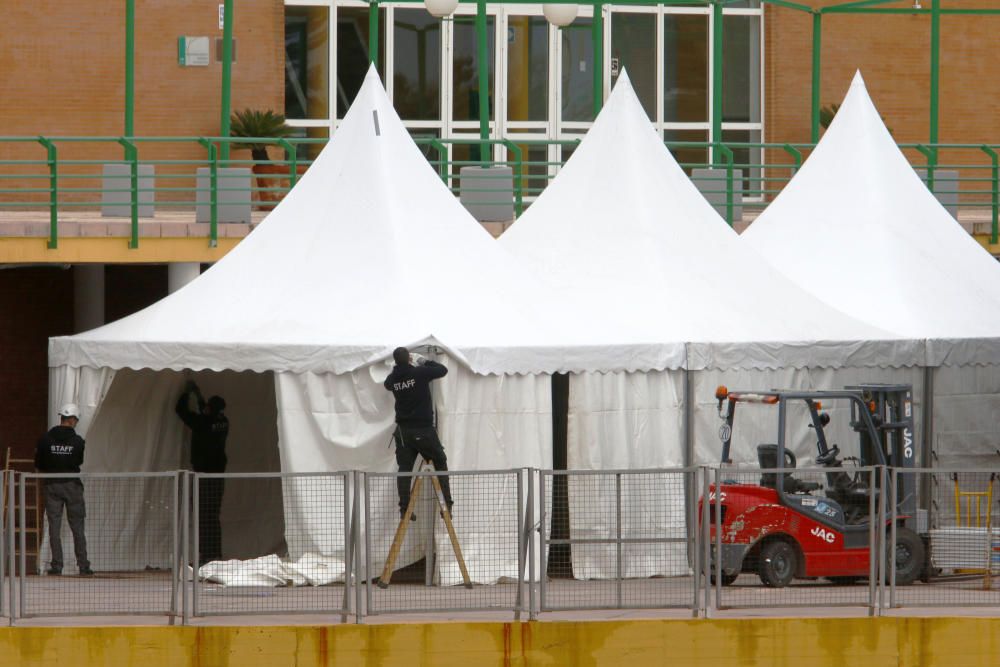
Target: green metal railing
x: 62, y: 175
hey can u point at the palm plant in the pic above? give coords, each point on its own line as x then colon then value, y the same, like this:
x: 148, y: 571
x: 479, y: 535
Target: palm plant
x: 258, y: 124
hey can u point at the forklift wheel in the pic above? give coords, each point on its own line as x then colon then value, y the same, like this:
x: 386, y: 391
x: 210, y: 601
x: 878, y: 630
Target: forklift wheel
x: 910, y: 556
x: 778, y: 563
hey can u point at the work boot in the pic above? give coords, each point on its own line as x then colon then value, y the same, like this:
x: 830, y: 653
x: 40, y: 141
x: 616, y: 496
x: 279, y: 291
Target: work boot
x: 86, y: 572
x: 54, y: 571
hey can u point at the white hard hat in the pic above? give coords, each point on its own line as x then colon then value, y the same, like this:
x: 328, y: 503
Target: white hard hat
x: 69, y: 410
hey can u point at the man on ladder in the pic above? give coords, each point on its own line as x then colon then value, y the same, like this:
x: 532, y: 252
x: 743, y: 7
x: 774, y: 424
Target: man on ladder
x: 415, y: 433
x: 416, y: 436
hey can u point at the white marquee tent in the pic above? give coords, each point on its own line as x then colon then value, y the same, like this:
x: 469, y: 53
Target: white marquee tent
x: 369, y: 251
x: 858, y: 228
x: 624, y: 225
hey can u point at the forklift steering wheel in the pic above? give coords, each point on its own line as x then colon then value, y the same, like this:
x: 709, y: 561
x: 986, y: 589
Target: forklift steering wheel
x: 828, y: 458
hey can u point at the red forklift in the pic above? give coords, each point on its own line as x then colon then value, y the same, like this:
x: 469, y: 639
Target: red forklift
x: 784, y: 528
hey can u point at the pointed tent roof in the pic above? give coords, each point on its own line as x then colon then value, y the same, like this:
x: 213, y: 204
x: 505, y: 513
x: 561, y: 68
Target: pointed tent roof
x: 859, y: 228
x: 370, y: 250
x: 623, y: 224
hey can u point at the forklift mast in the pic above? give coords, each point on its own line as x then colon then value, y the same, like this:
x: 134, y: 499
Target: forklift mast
x: 891, y: 407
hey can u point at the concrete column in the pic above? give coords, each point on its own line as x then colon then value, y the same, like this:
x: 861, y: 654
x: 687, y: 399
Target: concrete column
x: 180, y: 274
x: 88, y: 296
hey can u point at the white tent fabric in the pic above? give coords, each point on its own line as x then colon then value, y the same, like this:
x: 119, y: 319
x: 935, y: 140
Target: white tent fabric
x: 624, y: 225
x: 858, y: 228
x: 369, y: 251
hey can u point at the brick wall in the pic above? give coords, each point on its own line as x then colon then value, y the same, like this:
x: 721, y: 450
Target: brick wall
x: 62, y: 72
x: 893, y: 53
x: 35, y: 303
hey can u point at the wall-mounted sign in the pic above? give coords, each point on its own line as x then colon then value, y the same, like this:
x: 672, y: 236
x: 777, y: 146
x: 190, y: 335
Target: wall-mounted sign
x: 192, y: 51
x: 222, y: 17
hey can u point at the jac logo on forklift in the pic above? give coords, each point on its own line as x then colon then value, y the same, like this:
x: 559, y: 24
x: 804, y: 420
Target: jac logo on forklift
x: 907, y: 444
x: 711, y: 496
x: 824, y: 534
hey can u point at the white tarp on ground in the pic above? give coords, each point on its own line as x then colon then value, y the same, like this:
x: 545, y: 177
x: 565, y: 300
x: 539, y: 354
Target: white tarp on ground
x: 623, y: 224
x: 858, y: 228
x: 369, y: 251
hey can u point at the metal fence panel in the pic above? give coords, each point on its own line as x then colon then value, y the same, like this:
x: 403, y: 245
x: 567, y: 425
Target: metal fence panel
x: 617, y: 540
x: 958, y: 532
x: 299, y: 565
x: 134, y: 565
x: 427, y: 575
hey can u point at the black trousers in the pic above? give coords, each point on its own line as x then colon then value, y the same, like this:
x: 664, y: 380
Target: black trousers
x: 66, y: 493
x: 419, y: 441
x: 210, y: 492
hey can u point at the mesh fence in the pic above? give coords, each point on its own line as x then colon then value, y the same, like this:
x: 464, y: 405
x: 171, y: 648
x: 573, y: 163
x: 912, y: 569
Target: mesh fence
x: 271, y: 543
x: 527, y: 540
x: 616, y: 540
x: 109, y: 545
x: 955, y: 530
x: 808, y: 547
x: 480, y: 567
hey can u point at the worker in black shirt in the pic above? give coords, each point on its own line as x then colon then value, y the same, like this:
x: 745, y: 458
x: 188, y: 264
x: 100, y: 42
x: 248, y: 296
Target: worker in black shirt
x: 209, y: 430
x: 61, y: 451
x: 415, y: 433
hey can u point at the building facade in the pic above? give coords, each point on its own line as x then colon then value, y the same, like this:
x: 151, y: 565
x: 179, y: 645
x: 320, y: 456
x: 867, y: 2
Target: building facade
x: 63, y: 69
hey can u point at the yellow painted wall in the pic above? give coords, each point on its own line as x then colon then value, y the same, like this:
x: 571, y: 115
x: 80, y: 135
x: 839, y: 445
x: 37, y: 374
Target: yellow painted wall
x: 111, y: 250
x: 813, y: 642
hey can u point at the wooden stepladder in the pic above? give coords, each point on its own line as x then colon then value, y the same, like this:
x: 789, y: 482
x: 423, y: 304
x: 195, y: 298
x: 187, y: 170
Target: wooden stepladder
x: 404, y: 523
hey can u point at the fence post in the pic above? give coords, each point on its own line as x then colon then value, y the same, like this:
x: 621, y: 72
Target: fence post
x: 542, y: 540
x: 185, y: 544
x: 796, y: 155
x: 213, y: 159
x: 530, y: 532
x: 727, y: 154
x: 880, y: 538
x: 618, y: 539
x: 293, y: 161
x: 994, y: 194
x: 359, y: 562
x: 894, y: 477
x: 23, y: 541
x: 442, y: 158
x: 52, y: 159
x: 132, y: 155
x: 930, y: 152
x: 196, y: 555
x: 706, y: 541
x: 348, y: 545
x: 518, y: 173
x: 11, y: 563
